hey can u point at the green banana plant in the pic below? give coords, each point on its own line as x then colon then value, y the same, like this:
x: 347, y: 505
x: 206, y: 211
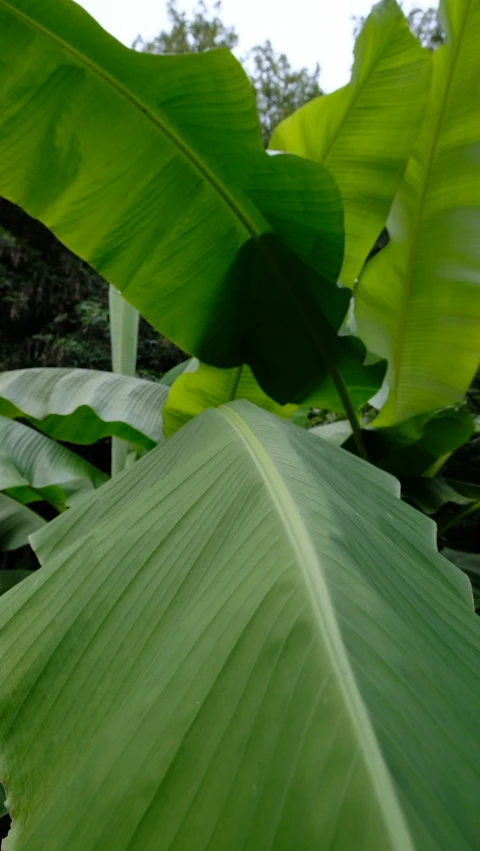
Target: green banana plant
x: 417, y: 303
x: 245, y: 640
x: 189, y: 209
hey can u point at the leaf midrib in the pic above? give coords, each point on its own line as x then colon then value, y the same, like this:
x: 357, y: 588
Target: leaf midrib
x: 404, y: 312
x: 185, y: 149
x: 324, y: 616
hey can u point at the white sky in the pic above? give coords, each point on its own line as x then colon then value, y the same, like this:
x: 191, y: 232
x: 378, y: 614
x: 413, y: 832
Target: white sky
x: 308, y: 31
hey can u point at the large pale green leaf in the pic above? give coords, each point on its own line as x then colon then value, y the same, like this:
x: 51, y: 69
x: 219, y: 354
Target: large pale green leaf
x: 17, y: 522
x: 201, y: 386
x: 418, y: 300
x: 84, y: 405
x: 33, y: 467
x: 153, y: 170
x: 247, y: 642
x: 364, y: 132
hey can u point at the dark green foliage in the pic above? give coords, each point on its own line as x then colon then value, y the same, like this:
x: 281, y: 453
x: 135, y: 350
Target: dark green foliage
x: 54, y: 307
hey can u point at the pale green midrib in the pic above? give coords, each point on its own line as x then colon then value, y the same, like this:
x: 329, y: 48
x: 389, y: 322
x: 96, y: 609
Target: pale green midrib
x: 164, y: 128
x: 124, y: 320
x: 397, y: 363
x: 311, y: 569
x: 348, y: 112
x: 350, y: 107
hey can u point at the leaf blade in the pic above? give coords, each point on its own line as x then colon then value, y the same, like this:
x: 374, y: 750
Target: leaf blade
x: 364, y: 132
x: 426, y: 324
x: 211, y: 626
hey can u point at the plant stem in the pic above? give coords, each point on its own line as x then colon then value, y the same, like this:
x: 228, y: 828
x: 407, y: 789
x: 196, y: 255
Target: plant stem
x: 325, y: 340
x: 124, y: 321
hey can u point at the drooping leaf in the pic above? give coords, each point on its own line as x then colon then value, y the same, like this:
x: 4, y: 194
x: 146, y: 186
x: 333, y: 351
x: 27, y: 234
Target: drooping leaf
x: 33, y: 467
x: 84, y: 405
x: 468, y: 562
x: 247, y: 623
x: 431, y: 494
x: 17, y: 522
x: 153, y: 171
x: 419, y: 445
x: 201, y: 386
x: 418, y: 301
x: 364, y: 132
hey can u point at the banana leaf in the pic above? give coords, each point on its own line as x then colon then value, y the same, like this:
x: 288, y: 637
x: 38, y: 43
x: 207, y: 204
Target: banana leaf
x: 417, y: 303
x: 365, y: 131
x: 245, y: 641
x: 84, y: 405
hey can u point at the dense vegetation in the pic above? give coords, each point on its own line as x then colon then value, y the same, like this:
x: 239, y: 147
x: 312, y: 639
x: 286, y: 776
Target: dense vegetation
x: 239, y: 633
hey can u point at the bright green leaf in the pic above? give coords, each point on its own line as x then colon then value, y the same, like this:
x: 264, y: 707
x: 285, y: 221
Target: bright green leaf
x: 17, y: 522
x: 153, y: 171
x: 246, y: 624
x: 418, y: 300
x: 201, y: 386
x: 84, y: 405
x: 364, y: 132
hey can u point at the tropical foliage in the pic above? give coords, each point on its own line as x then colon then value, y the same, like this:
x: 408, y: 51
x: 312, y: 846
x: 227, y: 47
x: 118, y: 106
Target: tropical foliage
x: 245, y: 638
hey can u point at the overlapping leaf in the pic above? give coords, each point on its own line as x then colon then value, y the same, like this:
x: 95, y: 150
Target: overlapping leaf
x: 84, y: 405
x: 153, y: 170
x: 246, y: 624
x: 17, y: 522
x: 201, y: 386
x: 365, y: 131
x: 418, y: 300
x: 33, y: 467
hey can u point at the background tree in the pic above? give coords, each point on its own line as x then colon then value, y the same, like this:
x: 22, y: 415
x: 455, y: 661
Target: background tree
x: 424, y: 24
x: 202, y: 31
x: 279, y: 89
